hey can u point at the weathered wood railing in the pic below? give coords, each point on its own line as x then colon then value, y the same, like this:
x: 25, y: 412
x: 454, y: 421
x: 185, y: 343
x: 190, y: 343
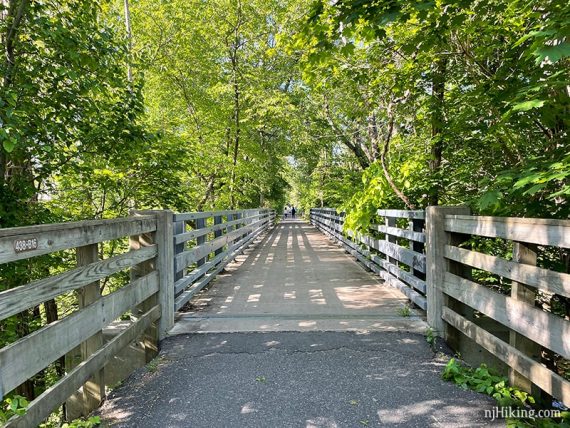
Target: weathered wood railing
x: 160, y: 244
x: 457, y: 307
x: 32, y: 353
x: 205, y: 242
x: 456, y: 303
x: 393, y: 250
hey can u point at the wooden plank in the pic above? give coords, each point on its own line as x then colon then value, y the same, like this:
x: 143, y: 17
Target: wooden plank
x: 193, y: 276
x: 543, y: 279
x: 218, y: 222
x: 401, y: 233
x: 419, y: 214
x: 63, y: 236
x: 523, y: 254
x: 150, y: 337
x: 532, y: 230
x: 94, y: 387
x: 191, y: 256
x: 208, y: 214
x: 545, y: 329
x: 541, y: 376
x: 216, y: 228
x: 407, y: 277
x: 21, y: 359
x: 49, y: 400
x: 18, y: 299
x: 179, y: 227
x: 201, y: 214
x: 436, y: 266
x: 200, y: 224
x: 165, y: 266
x: 232, y: 252
x: 390, y: 241
x: 417, y: 226
x: 397, y: 253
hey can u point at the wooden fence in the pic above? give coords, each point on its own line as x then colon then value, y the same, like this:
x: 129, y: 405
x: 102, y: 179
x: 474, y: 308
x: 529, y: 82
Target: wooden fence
x: 205, y: 242
x: 29, y: 355
x: 394, y: 249
x: 456, y: 303
x: 195, y: 253
x: 439, y: 279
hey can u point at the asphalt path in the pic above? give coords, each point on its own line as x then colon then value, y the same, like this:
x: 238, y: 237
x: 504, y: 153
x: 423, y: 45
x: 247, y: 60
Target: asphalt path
x: 294, y: 379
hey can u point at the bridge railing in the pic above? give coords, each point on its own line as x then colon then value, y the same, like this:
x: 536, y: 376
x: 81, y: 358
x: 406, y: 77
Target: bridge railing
x: 205, y: 242
x: 393, y: 248
x: 437, y: 270
x: 78, y: 336
x: 506, y: 323
x: 119, y: 279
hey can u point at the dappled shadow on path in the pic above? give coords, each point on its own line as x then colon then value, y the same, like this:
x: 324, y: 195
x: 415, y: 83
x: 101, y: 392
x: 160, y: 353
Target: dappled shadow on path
x: 311, y: 379
x: 296, y: 278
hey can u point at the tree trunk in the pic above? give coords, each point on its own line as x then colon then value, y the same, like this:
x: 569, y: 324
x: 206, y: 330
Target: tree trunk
x: 235, y: 45
x: 437, y: 123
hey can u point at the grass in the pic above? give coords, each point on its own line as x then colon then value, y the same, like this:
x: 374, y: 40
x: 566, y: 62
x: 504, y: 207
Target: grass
x: 405, y: 311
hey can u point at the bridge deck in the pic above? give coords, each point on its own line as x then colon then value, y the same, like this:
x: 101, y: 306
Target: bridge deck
x: 257, y: 366
x: 296, y: 279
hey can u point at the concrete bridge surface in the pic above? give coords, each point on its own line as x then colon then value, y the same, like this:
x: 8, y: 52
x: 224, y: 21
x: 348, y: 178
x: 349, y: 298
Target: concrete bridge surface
x: 295, y: 333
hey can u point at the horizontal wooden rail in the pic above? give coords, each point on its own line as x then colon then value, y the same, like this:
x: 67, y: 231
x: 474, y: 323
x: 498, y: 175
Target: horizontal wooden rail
x: 540, y: 375
x: 531, y: 230
x: 46, y: 239
x: 382, y: 254
x: 543, y: 279
x: 541, y: 327
x: 410, y: 214
x: 18, y: 299
x: 82, y: 329
x: 21, y: 360
x: 460, y: 307
x: 216, y: 245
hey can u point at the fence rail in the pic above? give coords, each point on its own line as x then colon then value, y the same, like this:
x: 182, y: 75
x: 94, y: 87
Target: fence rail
x: 408, y: 244
x: 159, y: 246
x: 34, y: 352
x: 394, y: 250
x: 458, y: 303
x: 205, y: 242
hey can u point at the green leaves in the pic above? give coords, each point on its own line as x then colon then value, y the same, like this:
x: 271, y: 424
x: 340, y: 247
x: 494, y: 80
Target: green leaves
x: 528, y: 105
x: 552, y: 53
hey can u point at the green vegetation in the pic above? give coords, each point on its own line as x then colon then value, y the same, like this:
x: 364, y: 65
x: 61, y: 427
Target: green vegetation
x: 484, y: 381
x: 237, y: 104
x: 405, y: 311
x: 430, y: 337
x: 17, y: 405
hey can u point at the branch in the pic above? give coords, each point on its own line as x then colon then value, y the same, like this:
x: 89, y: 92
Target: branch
x: 389, y: 179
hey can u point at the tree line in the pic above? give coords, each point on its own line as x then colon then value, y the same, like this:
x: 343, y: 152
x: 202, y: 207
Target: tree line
x: 112, y: 105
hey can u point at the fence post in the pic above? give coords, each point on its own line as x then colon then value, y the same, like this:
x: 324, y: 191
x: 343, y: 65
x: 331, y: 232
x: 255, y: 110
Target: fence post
x: 179, y: 228
x: 391, y: 222
x: 218, y: 233
x: 82, y: 403
x: 201, y: 224
x: 417, y: 225
x: 437, y: 264
x: 524, y: 254
x: 165, y: 266
x: 151, y: 335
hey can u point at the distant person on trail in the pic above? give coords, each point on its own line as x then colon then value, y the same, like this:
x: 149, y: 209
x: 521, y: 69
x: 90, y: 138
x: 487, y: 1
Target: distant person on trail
x: 293, y: 211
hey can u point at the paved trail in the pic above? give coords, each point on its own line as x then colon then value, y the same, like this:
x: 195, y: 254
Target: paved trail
x: 295, y: 334
x: 296, y: 279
